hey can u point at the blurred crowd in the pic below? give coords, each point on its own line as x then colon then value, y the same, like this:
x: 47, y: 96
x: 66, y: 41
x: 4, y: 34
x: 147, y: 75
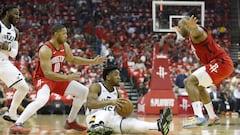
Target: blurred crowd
x: 121, y: 30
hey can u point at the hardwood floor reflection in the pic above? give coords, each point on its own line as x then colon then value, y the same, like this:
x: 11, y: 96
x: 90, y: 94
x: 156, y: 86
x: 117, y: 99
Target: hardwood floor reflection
x: 53, y: 125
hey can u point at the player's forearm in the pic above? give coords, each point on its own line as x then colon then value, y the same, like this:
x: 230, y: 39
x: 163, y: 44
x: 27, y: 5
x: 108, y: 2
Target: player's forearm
x: 13, y: 49
x: 92, y: 104
x: 196, y: 31
x: 56, y: 76
x: 82, y: 61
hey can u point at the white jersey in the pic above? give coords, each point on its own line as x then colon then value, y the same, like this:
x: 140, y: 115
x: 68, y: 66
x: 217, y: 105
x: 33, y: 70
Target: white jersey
x: 6, y: 36
x: 103, y: 96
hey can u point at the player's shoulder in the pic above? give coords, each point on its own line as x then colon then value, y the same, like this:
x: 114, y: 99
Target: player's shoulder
x: 96, y: 85
x: 45, y: 48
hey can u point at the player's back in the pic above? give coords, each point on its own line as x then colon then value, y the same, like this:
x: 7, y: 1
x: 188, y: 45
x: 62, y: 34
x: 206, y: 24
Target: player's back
x: 209, y: 50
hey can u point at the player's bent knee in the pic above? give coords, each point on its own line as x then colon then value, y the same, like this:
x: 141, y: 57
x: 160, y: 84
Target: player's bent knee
x: 191, y: 80
x: 41, y: 101
x: 22, y: 86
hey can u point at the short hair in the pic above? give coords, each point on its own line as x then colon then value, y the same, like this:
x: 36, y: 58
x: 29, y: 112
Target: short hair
x: 7, y: 8
x: 56, y: 28
x: 107, y: 70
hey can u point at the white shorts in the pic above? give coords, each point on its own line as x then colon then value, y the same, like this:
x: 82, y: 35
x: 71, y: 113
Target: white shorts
x: 203, y: 77
x: 110, y: 119
x: 9, y: 74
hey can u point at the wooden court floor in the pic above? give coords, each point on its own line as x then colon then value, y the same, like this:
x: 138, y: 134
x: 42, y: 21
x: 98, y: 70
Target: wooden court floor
x: 53, y: 125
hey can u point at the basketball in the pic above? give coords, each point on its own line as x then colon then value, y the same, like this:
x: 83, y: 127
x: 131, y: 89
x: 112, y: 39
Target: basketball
x: 126, y: 110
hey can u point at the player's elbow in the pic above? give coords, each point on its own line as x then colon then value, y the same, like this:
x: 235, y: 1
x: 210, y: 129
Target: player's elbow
x: 90, y: 105
x: 47, y: 74
x: 13, y: 53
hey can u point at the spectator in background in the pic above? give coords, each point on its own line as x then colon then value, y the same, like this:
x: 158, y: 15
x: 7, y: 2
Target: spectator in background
x: 124, y: 69
x: 139, y: 65
x: 234, y: 81
x: 111, y: 59
x: 236, y: 94
x: 215, y: 96
x: 104, y: 48
x: 237, y: 70
x: 227, y: 100
x: 142, y: 89
x: 179, y: 82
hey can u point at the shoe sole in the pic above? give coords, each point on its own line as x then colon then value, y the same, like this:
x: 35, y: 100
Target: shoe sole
x: 163, y: 126
x: 102, y: 131
x: 196, y: 125
x: 216, y: 122
x: 7, y: 118
x: 69, y: 128
x: 18, y: 132
x: 167, y: 113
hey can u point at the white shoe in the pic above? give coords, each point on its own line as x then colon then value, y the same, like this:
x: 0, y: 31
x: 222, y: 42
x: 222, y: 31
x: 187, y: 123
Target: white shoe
x: 7, y: 117
x: 194, y: 122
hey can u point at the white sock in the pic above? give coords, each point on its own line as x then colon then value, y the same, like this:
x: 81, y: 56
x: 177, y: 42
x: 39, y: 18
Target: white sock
x: 18, y: 96
x: 133, y: 125
x: 210, y: 111
x: 197, y: 109
x: 76, y: 106
x: 42, y: 98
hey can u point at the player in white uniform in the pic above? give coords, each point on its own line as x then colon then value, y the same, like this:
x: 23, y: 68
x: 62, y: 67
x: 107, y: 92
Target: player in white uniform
x: 101, y: 116
x: 9, y: 74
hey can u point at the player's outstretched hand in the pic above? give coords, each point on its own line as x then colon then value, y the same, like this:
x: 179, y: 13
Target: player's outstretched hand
x: 192, y: 22
x: 99, y: 60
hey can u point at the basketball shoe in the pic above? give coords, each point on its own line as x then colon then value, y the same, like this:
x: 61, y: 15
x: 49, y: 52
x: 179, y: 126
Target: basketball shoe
x: 74, y: 125
x: 164, y: 121
x: 7, y: 117
x: 18, y: 129
x: 98, y: 129
x: 194, y: 122
x: 214, y: 121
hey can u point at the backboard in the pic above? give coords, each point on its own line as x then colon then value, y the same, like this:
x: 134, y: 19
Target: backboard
x: 166, y: 14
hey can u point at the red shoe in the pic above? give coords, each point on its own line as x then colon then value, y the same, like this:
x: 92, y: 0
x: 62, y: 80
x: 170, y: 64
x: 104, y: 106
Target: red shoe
x: 74, y: 125
x: 18, y: 129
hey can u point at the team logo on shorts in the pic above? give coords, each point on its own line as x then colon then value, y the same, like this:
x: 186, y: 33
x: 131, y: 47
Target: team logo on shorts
x: 213, y: 68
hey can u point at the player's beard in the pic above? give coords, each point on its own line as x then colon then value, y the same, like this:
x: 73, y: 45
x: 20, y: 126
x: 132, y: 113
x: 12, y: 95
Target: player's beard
x: 12, y: 20
x: 60, y: 41
x: 116, y: 83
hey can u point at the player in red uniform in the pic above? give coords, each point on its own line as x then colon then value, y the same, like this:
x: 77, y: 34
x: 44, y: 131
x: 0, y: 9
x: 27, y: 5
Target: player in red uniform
x: 47, y: 79
x: 217, y: 65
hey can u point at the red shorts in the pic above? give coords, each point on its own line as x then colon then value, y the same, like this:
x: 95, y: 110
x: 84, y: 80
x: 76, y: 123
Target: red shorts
x: 57, y: 87
x: 220, y: 69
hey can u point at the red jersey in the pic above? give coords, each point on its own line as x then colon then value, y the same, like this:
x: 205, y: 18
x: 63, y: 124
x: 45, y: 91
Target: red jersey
x: 208, y: 50
x: 217, y: 62
x: 57, y: 59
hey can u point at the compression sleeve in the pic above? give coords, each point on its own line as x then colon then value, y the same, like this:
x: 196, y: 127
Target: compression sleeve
x: 13, y: 49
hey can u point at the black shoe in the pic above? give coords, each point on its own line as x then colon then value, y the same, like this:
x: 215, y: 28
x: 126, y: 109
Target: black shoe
x: 163, y: 126
x: 164, y: 121
x: 98, y: 129
x: 167, y: 113
x: 7, y: 117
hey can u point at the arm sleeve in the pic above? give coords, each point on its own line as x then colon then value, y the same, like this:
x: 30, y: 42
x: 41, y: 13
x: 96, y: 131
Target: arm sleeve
x: 13, y: 49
